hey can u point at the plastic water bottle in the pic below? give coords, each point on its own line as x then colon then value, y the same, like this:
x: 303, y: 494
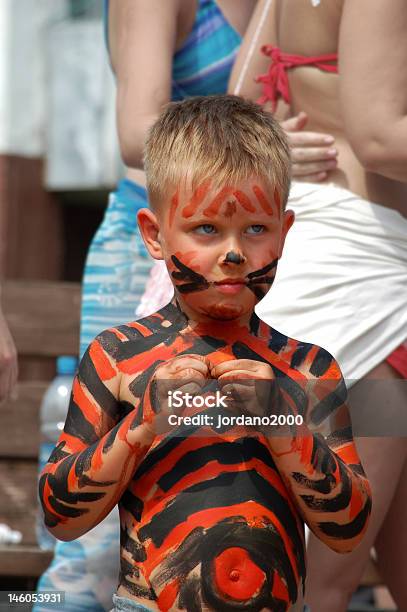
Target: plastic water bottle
x: 8, y: 535
x: 54, y: 408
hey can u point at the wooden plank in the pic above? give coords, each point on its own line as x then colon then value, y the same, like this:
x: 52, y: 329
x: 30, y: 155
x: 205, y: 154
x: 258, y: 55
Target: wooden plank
x: 36, y: 368
x: 30, y: 221
x: 18, y: 496
x: 23, y: 560
x: 43, y: 316
x: 19, y: 431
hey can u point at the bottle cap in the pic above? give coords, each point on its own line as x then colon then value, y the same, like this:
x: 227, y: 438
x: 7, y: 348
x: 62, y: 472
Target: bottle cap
x: 66, y: 365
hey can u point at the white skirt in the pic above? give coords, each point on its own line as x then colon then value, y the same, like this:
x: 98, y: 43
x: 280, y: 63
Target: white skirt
x: 342, y: 280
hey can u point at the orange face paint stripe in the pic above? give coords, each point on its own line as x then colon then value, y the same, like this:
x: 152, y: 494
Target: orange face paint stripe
x: 173, y: 207
x: 197, y: 198
x: 186, y: 258
x: 230, y: 209
x: 263, y: 201
x: 244, y: 200
x: 277, y: 201
x: 214, y: 206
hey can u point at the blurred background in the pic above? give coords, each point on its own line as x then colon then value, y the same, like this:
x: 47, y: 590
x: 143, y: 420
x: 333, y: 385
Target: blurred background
x: 57, y: 132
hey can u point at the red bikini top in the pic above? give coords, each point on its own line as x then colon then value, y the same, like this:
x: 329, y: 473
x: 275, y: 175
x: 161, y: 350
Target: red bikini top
x: 275, y: 81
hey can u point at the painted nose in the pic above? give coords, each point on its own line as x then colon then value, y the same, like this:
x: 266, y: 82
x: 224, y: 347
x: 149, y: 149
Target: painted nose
x: 234, y: 257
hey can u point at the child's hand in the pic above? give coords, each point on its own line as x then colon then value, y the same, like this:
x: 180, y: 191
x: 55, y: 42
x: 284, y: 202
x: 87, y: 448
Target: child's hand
x: 254, y: 391
x: 239, y: 378
x: 184, y: 373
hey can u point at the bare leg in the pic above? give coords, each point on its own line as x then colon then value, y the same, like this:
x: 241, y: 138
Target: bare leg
x: 332, y: 578
x: 391, y: 544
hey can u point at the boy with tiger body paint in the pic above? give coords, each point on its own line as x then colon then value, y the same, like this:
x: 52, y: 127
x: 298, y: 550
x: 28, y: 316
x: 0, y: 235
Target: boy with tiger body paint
x: 211, y: 518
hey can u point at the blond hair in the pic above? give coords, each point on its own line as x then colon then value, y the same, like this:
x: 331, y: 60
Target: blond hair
x: 220, y: 138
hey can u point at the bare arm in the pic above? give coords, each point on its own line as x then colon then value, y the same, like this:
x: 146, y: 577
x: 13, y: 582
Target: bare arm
x: 317, y: 458
x: 321, y: 466
x: 250, y: 62
x: 8, y: 359
x: 142, y: 40
x: 98, y: 451
x: 373, y: 83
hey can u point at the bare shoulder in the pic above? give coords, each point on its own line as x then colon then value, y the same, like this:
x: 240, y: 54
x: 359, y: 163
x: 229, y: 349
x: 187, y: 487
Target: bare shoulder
x: 310, y: 360
x: 127, y: 345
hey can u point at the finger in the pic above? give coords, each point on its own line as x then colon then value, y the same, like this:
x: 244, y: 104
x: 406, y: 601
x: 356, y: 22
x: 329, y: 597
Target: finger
x: 236, y: 375
x: 312, y: 178
x: 239, y: 392
x: 312, y: 154
x: 193, y: 388
x: 195, y: 362
x: 178, y: 407
x: 234, y: 364
x: 174, y: 369
x: 313, y: 168
x: 226, y: 384
x: 179, y: 380
x: 295, y: 123
x: 188, y: 375
x: 309, y: 139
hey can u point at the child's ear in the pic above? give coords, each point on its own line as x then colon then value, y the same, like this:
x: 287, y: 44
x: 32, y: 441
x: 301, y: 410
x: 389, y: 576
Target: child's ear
x: 288, y: 220
x: 150, y: 231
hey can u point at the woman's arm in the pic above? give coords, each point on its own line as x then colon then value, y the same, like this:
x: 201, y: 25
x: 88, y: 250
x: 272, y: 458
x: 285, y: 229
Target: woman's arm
x: 142, y: 39
x: 373, y: 83
x: 8, y: 360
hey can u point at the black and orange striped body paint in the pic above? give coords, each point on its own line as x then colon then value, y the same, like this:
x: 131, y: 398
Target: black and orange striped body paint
x: 210, y: 520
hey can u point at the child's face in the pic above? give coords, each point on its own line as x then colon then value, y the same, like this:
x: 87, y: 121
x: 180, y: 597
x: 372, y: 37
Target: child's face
x: 221, y: 246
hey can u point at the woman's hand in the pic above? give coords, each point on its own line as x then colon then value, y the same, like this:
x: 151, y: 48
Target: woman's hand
x: 8, y: 360
x: 313, y: 154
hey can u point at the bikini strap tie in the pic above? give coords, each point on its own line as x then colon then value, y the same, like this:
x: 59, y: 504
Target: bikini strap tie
x: 275, y: 81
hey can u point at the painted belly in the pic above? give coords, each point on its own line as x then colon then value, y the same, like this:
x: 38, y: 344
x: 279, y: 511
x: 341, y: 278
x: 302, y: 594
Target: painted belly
x: 217, y: 526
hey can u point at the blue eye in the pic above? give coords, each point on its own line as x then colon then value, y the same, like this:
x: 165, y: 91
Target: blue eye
x: 206, y: 228
x: 257, y: 229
